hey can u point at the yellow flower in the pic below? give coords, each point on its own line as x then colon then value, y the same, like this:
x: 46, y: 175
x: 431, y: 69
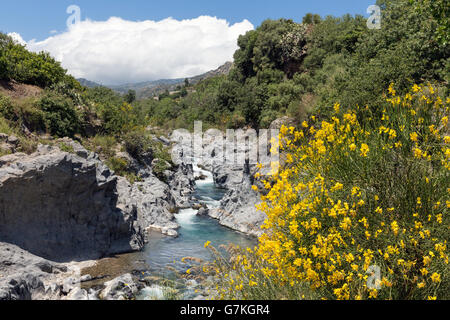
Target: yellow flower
x: 395, y: 227
x: 424, y: 271
x: 417, y: 153
x: 337, y: 186
x: 373, y: 294
x: 413, y: 136
x: 436, y: 277
x: 336, y: 107
x: 207, y: 243
x: 364, y: 150
x: 392, y: 90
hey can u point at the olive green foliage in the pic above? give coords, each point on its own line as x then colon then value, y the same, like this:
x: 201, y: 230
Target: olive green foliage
x: 17, y: 63
x: 130, y: 97
x: 288, y: 68
x: 6, y: 107
x: 137, y: 144
x: 118, y: 165
x: 60, y: 115
x: 440, y: 11
x: 66, y: 148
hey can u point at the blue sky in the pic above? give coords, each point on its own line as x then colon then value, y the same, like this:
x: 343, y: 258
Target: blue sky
x: 36, y: 19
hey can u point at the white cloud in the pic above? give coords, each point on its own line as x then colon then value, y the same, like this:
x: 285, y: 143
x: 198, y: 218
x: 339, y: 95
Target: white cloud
x: 117, y: 51
x: 17, y: 37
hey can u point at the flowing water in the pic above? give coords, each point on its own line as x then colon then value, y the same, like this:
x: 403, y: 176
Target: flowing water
x: 194, y: 231
x: 163, y: 254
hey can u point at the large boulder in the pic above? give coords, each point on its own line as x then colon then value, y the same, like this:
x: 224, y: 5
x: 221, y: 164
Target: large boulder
x: 237, y: 208
x: 64, y: 206
x: 120, y: 288
x: 24, y: 276
x: 152, y: 202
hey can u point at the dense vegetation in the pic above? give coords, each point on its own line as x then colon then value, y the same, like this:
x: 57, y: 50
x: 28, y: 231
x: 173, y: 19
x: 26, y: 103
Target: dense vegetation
x: 365, y: 177
x: 360, y: 207
x: 355, y: 200
x: 291, y: 68
x: 101, y: 119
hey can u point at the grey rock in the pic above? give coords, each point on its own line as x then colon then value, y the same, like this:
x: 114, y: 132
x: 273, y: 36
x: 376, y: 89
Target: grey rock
x: 86, y: 278
x: 237, y: 209
x: 68, y: 208
x: 13, y: 140
x: 164, y: 140
x: 3, y: 137
x: 151, y: 202
x: 78, y: 294
x: 22, y: 274
x: 203, y: 211
x: 286, y: 121
x: 45, y: 266
x: 182, y: 185
x: 120, y: 288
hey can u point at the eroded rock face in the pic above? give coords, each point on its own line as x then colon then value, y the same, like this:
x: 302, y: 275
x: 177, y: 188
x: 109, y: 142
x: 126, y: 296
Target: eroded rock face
x: 237, y: 209
x: 153, y: 203
x: 25, y: 276
x: 182, y: 185
x: 63, y: 206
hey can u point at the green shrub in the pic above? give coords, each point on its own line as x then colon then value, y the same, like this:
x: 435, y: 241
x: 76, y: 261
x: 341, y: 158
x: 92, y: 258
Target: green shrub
x: 4, y: 126
x: 137, y: 144
x: 66, y: 148
x: 118, y: 165
x: 28, y: 111
x: 6, y: 107
x: 104, y: 145
x: 17, y: 63
x: 359, y: 210
x: 60, y: 116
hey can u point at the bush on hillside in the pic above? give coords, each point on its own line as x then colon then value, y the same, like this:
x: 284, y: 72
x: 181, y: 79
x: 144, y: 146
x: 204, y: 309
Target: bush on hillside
x: 60, y: 116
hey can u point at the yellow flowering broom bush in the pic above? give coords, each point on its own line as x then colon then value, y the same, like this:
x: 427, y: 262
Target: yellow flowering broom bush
x: 359, y: 210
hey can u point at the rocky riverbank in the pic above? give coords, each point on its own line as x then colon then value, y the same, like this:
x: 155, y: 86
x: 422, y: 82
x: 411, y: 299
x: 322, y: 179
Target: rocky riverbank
x: 62, y: 206
x: 73, y: 210
x: 237, y: 209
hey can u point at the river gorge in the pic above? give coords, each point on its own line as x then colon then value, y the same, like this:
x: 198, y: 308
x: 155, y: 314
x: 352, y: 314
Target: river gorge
x: 86, y: 234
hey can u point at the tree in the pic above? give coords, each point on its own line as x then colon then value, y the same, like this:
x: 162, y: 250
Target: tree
x: 310, y: 18
x: 440, y: 11
x: 130, y: 97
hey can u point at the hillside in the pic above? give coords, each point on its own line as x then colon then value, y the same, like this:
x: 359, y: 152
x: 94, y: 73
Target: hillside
x: 149, y: 89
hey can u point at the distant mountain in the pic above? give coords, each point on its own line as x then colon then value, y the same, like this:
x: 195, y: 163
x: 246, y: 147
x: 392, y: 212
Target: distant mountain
x: 138, y: 87
x: 87, y: 83
x: 153, y: 88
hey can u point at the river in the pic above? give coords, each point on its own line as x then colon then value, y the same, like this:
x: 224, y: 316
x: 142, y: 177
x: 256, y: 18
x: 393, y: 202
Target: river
x: 163, y: 253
